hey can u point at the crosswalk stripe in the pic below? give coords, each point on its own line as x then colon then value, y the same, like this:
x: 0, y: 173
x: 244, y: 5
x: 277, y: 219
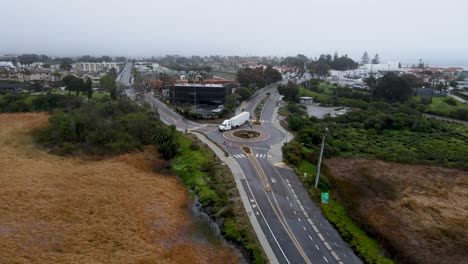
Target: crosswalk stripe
x: 256, y: 155
x: 242, y: 155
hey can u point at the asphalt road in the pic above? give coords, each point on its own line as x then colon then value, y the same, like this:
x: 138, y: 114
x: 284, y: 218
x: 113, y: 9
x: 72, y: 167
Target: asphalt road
x: 293, y: 225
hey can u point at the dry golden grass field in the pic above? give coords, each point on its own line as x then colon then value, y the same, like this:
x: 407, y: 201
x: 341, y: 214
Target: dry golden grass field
x: 73, y: 210
x: 421, y: 212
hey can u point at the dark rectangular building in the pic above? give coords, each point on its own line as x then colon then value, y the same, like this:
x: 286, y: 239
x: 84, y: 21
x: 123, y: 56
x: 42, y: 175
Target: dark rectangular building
x: 191, y: 93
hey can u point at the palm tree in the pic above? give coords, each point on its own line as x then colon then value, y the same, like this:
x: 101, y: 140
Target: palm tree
x: 166, y: 141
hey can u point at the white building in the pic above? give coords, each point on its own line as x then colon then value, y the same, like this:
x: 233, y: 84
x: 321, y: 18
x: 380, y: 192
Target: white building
x: 96, y: 66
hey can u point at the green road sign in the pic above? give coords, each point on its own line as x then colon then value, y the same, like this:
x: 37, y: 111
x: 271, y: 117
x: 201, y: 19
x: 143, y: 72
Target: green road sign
x: 325, y: 197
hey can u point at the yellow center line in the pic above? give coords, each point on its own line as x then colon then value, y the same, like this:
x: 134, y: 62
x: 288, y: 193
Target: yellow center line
x: 282, y: 219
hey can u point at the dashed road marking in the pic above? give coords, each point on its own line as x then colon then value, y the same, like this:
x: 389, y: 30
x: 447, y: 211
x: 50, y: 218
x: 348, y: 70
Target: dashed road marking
x: 295, y: 212
x: 304, y: 228
x: 317, y: 247
x: 321, y: 237
x: 299, y: 219
x: 325, y: 258
x: 311, y: 238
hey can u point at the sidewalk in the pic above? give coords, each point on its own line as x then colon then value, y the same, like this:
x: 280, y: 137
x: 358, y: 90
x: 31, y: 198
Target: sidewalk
x: 238, y: 176
x: 275, y: 151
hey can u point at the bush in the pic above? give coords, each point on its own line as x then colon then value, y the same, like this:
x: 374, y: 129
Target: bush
x: 292, y: 152
x: 105, y: 127
x: 450, y: 101
x: 244, y: 92
x: 367, y: 249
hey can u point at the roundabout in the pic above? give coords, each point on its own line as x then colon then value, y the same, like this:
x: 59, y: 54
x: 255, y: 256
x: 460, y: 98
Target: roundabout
x: 246, y: 135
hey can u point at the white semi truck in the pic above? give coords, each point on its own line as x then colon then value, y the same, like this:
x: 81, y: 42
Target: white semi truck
x: 235, y: 121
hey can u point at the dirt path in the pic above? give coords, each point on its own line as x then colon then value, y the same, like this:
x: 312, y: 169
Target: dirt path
x: 70, y: 210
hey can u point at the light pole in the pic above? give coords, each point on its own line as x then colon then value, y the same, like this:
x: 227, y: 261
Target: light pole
x: 185, y: 118
x: 320, y: 158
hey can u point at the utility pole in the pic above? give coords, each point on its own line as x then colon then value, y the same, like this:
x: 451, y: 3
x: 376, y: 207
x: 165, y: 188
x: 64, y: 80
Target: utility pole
x: 320, y: 159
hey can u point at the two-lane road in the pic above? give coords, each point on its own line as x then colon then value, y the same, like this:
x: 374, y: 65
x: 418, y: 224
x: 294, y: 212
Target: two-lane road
x: 294, y: 226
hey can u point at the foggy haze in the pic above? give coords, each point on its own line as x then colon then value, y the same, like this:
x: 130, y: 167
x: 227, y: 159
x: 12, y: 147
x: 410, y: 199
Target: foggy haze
x: 397, y: 30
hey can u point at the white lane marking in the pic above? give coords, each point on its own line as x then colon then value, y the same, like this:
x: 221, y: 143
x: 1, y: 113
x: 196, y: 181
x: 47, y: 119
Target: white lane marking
x: 243, y: 155
x: 336, y: 244
x: 268, y: 226
x: 257, y: 212
x: 299, y: 219
x: 290, y: 204
x: 253, y: 205
x: 256, y: 155
x: 321, y: 237
x: 304, y: 228
x: 317, y: 247
x: 295, y: 212
x: 325, y: 258
x: 287, y: 197
x: 252, y: 200
x: 311, y: 238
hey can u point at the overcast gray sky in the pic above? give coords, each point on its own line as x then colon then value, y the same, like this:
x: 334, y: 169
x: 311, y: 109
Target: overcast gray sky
x: 396, y: 29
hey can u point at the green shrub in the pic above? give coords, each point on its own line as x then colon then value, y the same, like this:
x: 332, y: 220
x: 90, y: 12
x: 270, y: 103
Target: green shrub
x: 365, y: 247
x: 450, y: 101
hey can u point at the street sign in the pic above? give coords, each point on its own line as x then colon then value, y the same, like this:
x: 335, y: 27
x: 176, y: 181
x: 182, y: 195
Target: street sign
x: 325, y: 197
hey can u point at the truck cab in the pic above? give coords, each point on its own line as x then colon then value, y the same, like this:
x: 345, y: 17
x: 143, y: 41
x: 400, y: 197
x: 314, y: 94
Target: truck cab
x: 226, y: 125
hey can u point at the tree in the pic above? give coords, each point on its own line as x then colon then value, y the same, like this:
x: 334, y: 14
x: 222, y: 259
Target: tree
x: 376, y: 59
x: 56, y: 79
x: 66, y: 64
x: 271, y: 75
x: 319, y: 69
x: 393, y: 88
x: 244, y: 92
x: 73, y: 84
x: 371, y: 82
x: 77, y: 85
x: 113, y: 72
x: 289, y: 91
x: 231, y: 101
x: 89, y: 88
x: 454, y: 84
x: 166, y: 141
x: 365, y: 58
x: 251, y: 78
x: 108, y: 83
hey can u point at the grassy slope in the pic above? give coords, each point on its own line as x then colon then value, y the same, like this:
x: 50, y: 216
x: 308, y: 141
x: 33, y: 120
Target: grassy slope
x: 70, y: 210
x: 214, y: 185
x: 439, y: 106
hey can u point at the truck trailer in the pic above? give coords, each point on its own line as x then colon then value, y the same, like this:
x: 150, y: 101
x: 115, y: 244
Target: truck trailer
x: 235, y: 121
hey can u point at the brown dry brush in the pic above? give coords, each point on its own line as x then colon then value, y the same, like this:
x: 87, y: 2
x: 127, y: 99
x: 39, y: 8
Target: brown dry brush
x: 70, y: 210
x: 417, y: 212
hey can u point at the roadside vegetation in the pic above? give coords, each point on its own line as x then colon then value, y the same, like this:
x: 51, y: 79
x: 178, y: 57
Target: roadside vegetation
x: 122, y: 209
x: 385, y: 129
x: 446, y: 106
x: 213, y: 184
x: 105, y: 128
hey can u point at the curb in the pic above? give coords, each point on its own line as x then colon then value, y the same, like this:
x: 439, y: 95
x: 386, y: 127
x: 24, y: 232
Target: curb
x: 238, y: 176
